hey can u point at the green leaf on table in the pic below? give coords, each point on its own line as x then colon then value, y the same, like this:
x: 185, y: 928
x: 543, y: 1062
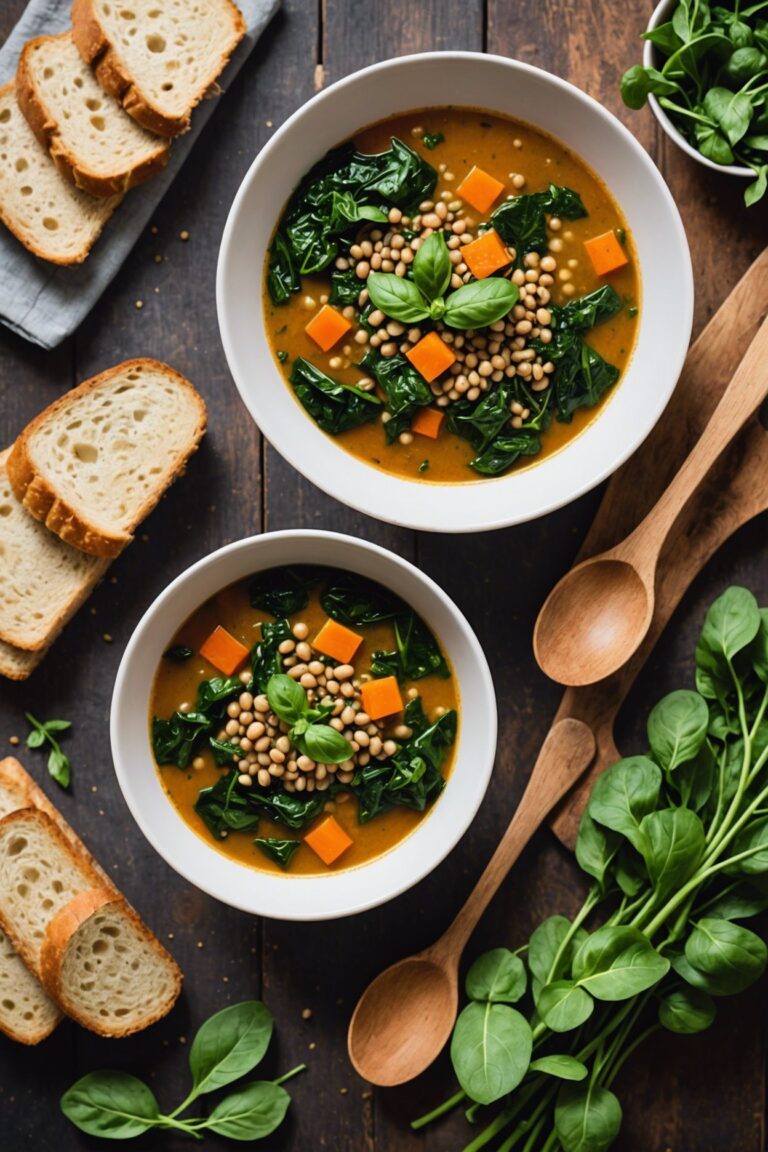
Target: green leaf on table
x: 726, y: 957
x: 229, y: 1045
x: 616, y: 963
x: 672, y: 845
x: 563, y: 1005
x: 251, y: 1113
x: 36, y: 738
x: 112, y: 1105
x: 624, y: 794
x: 490, y: 1050
x: 686, y: 1010
x: 497, y: 976
x: 561, y: 1067
x: 587, y: 1118
x: 677, y: 728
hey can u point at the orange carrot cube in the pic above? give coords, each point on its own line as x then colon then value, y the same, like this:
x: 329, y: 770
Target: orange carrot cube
x: 428, y: 422
x: 485, y: 255
x: 606, y: 253
x: 480, y: 189
x: 328, y: 840
x: 223, y: 651
x: 327, y: 327
x: 336, y: 641
x: 381, y: 697
x: 431, y: 356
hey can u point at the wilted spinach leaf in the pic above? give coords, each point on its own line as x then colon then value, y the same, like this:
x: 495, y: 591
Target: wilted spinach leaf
x: 283, y: 591
x: 281, y: 851
x: 522, y: 221
x: 405, y: 389
x: 333, y: 406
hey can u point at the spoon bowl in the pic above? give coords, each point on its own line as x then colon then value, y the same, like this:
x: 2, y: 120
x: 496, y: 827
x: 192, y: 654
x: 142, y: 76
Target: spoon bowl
x: 426, y: 995
x: 592, y: 621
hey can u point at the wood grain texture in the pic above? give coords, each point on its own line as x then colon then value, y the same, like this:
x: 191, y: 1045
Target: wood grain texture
x: 703, y: 1093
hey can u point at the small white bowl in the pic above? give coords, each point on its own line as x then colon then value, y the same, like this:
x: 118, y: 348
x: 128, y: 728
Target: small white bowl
x: 661, y: 14
x: 302, y: 897
x: 509, y: 88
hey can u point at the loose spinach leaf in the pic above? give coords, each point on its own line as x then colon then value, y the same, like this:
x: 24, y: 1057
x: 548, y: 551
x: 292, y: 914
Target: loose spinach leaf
x: 587, y: 1118
x: 561, y: 1067
x: 563, y: 1005
x: 616, y: 963
x: 224, y: 807
x: 178, y: 653
x: 333, y: 406
x: 283, y: 591
x: 497, y: 976
x: 490, y: 1050
x: 404, y: 387
x: 251, y: 1113
x: 229, y: 1045
x: 294, y: 809
x: 522, y: 221
x: 586, y: 312
x: 686, y: 1010
x: 112, y: 1105
x: 281, y: 851
x: 726, y: 957
x: 505, y: 450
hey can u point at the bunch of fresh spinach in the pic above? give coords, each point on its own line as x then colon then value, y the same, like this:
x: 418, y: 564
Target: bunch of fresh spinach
x: 675, y: 845
x: 474, y: 305
x: 345, y: 188
x: 713, y: 82
x: 229, y: 1045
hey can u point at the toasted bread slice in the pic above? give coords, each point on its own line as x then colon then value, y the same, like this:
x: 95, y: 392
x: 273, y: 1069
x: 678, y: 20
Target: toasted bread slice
x: 27, y: 1013
x: 94, y: 463
x: 52, y: 219
x: 105, y: 968
x: 91, y: 140
x: 43, y: 581
x: 158, y: 57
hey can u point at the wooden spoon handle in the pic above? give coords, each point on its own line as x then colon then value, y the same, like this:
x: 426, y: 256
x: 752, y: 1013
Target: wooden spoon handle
x: 740, y: 400
x: 566, y: 752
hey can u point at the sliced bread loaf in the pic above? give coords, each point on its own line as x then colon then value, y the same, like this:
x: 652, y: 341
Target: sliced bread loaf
x: 50, y: 217
x: 92, y: 142
x: 17, y: 664
x: 43, y: 581
x: 96, y: 462
x: 27, y: 1013
x: 158, y: 57
x: 106, y: 969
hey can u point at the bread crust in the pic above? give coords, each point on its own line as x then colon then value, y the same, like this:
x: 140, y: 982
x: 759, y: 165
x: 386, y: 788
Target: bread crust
x: 58, y: 935
x: 28, y: 660
x: 96, y: 49
x: 40, y: 499
x: 11, y: 224
x: 46, y: 130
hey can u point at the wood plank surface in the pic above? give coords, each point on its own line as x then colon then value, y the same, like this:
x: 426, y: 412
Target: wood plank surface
x: 685, y: 1094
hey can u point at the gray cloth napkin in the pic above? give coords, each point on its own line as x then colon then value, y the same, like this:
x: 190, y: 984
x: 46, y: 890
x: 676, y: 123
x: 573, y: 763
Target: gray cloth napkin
x: 45, y: 303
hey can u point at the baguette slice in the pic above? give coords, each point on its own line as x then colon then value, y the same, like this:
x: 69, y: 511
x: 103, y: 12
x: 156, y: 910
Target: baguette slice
x: 92, y: 142
x: 52, y: 219
x: 158, y: 57
x: 17, y: 664
x: 43, y: 581
x: 105, y: 968
x: 27, y: 1013
x: 94, y: 463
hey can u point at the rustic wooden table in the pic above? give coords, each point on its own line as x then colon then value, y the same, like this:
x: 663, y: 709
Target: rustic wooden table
x: 682, y: 1094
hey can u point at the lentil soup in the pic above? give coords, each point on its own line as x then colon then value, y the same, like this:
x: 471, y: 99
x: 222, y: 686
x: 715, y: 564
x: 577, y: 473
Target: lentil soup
x: 478, y: 359
x: 323, y: 785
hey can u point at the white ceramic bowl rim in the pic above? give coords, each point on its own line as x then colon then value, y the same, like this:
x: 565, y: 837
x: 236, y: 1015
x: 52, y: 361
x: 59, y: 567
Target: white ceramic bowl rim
x: 288, y: 897
x: 464, y: 79
x: 660, y: 14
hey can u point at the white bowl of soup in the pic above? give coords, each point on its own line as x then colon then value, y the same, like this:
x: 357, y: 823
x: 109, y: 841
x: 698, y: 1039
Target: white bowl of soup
x: 303, y: 725
x: 532, y: 258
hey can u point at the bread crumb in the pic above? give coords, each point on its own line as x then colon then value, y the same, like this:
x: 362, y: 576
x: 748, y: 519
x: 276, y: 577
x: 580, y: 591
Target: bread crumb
x: 139, y: 303
x: 306, y: 1014
x: 158, y: 258
x: 107, y: 638
x: 269, y: 124
x: 170, y: 935
x: 94, y: 788
x: 92, y: 611
x: 367, y: 1095
x: 184, y: 235
x: 200, y: 944
x: 157, y: 291
x: 113, y: 579
x: 182, y: 1039
x: 14, y: 740
x: 154, y: 229
x: 343, y: 1091
x: 145, y: 536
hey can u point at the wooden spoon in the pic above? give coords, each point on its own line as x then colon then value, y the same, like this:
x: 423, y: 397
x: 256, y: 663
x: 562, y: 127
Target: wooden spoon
x: 405, y: 1016
x: 597, y: 616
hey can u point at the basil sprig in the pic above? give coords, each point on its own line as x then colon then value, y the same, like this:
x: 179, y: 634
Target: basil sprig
x: 474, y: 305
x: 310, y: 731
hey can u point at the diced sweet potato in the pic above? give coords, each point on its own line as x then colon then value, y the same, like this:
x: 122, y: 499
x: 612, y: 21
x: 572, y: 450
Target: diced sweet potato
x: 327, y: 327
x: 480, y: 189
x: 431, y: 356
x: 381, y: 697
x: 336, y: 641
x: 428, y: 422
x: 328, y: 840
x: 223, y: 651
x: 485, y: 255
x: 606, y: 253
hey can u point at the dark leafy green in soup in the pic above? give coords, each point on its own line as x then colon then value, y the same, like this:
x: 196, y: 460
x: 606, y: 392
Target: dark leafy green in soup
x: 445, y: 322
x: 326, y: 729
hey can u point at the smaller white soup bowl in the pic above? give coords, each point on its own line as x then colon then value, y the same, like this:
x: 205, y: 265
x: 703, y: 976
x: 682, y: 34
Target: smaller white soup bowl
x: 509, y: 88
x: 288, y: 897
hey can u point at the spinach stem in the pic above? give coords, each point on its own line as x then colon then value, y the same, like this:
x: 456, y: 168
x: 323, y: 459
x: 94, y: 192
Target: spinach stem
x: 440, y: 1110
x: 287, y: 1075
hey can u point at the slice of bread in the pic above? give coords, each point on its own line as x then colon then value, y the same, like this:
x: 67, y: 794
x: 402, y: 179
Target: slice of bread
x: 158, y: 57
x: 51, y: 218
x: 17, y: 664
x: 43, y: 581
x: 92, y: 142
x: 97, y: 460
x: 104, y: 968
x: 27, y: 1013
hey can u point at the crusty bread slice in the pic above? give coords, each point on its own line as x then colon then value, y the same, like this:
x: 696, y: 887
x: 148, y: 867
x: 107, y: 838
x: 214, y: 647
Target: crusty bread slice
x: 43, y: 581
x: 105, y: 968
x: 17, y: 664
x: 27, y: 1013
x: 92, y: 142
x: 51, y: 218
x: 158, y: 57
x: 94, y: 463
